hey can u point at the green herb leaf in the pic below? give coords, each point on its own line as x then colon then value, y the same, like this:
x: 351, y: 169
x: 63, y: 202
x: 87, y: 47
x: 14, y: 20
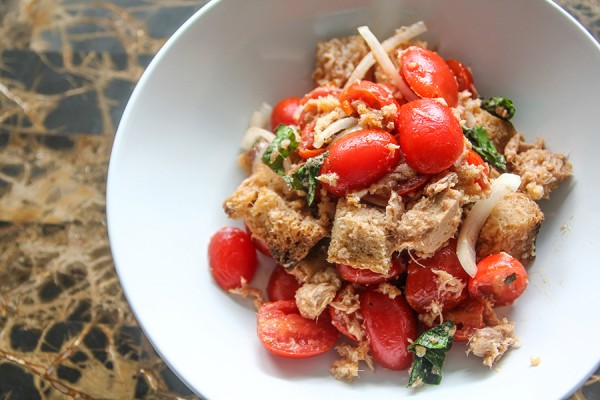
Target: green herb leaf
x: 501, y: 107
x: 482, y: 144
x: 306, y: 177
x: 511, y: 278
x: 430, y: 351
x: 280, y: 148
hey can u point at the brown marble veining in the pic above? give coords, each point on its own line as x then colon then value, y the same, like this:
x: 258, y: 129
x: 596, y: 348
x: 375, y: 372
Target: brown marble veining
x: 67, y: 68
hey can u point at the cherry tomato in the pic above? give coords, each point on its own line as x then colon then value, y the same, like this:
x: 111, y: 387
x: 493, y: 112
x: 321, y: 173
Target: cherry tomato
x: 411, y: 184
x: 428, y: 75
x: 468, y: 316
x: 475, y: 159
x: 424, y: 286
x: 374, y: 95
x: 342, y: 320
x: 359, y: 159
x: 306, y: 149
x: 284, y: 332
x: 500, y: 277
x: 282, y: 286
x: 368, y: 277
x: 321, y: 91
x: 463, y: 76
x: 231, y: 256
x: 389, y: 324
x: 430, y: 136
x: 283, y: 112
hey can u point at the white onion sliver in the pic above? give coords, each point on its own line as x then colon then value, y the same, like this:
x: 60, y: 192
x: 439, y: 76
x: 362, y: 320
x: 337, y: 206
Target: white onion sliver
x: 465, y: 247
x: 260, y: 117
x: 253, y: 134
x: 402, y: 35
x: 384, y: 60
x: 332, y: 129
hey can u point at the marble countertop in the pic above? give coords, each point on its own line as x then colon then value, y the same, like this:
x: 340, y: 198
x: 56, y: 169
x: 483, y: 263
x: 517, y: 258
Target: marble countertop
x: 67, y: 69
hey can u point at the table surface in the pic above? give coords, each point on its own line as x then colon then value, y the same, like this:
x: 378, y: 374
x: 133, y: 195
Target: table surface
x: 67, y: 69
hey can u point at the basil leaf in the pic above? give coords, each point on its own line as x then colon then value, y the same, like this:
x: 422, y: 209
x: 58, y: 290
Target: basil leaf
x: 482, y: 144
x: 306, y: 177
x: 430, y: 351
x: 280, y: 148
x: 501, y: 107
x: 511, y: 278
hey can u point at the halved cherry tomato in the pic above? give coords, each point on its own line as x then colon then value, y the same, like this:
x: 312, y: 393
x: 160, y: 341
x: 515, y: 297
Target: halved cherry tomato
x: 282, y: 286
x: 306, y: 149
x: 368, y: 277
x: 284, y: 332
x: 284, y: 111
x: 475, y: 159
x: 341, y: 319
x: 424, y: 286
x: 374, y: 95
x: 463, y: 76
x: 389, y: 324
x: 500, y: 277
x: 428, y: 75
x: 468, y: 316
x: 411, y: 184
x: 359, y: 159
x: 430, y: 136
x: 321, y: 91
x: 231, y: 257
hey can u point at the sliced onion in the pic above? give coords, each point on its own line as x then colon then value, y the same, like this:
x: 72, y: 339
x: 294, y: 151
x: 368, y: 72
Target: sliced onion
x: 253, y: 134
x: 402, y: 35
x: 465, y: 247
x: 384, y: 60
x: 332, y: 129
x: 260, y: 118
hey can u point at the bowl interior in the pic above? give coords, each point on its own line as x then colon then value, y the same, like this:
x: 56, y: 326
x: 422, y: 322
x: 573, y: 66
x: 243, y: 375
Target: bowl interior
x: 174, y: 162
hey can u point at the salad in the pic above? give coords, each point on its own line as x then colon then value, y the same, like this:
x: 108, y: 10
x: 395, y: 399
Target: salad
x: 399, y: 205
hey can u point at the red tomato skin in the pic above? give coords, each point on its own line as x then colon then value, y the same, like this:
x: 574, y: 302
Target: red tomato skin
x: 284, y: 111
x: 376, y: 96
x: 422, y: 284
x: 340, y: 319
x: 284, y: 332
x: 475, y: 159
x: 428, y: 75
x: 464, y: 78
x: 389, y: 324
x: 468, y: 316
x: 258, y: 243
x: 359, y: 159
x: 282, y: 286
x: 321, y: 91
x: 231, y: 256
x: 489, y: 281
x: 430, y: 136
x: 368, y: 277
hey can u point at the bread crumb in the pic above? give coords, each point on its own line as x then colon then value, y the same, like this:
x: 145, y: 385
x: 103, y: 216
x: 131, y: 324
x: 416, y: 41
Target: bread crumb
x: 535, y: 361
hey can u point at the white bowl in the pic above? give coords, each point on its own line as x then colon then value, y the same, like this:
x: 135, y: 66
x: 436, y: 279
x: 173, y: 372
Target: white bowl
x: 174, y: 162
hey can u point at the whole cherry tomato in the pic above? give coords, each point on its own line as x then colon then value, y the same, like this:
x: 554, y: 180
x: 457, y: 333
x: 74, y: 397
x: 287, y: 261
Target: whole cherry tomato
x: 368, y: 277
x: 359, y: 159
x: 389, y: 325
x: 284, y: 332
x: 282, y: 286
x: 284, y: 111
x: 231, y: 257
x: 430, y: 136
x: 500, y: 277
x: 428, y: 75
x: 463, y: 76
x: 439, y: 278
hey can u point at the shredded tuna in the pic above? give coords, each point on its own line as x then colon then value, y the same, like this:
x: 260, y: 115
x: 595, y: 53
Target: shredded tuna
x: 347, y: 367
x: 247, y: 291
x: 491, y: 343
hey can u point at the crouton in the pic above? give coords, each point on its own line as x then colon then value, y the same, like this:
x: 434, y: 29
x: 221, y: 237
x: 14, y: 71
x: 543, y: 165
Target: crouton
x: 499, y: 130
x: 336, y: 59
x: 511, y: 227
x: 360, y: 237
x: 276, y: 215
x: 430, y: 223
x: 541, y: 171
